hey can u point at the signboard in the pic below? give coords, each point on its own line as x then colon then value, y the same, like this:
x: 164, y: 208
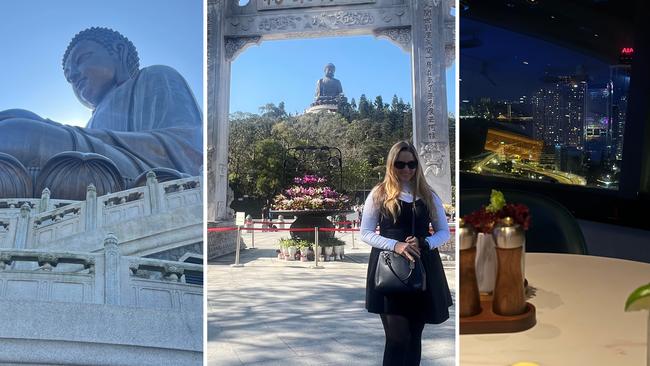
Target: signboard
x: 626, y: 55
x: 240, y: 218
x: 288, y: 4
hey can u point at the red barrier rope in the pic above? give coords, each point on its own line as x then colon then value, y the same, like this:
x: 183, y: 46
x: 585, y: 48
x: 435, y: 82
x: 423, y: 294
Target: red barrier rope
x: 335, y: 229
x: 221, y: 229
x: 243, y: 228
x: 452, y: 229
x: 265, y: 222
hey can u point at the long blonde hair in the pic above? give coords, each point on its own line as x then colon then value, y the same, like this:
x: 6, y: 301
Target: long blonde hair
x: 387, y: 192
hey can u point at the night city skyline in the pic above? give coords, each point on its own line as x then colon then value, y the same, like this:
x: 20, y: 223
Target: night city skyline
x: 552, y: 113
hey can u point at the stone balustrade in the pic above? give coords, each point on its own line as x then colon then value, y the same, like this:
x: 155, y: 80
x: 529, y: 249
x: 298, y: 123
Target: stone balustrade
x: 40, y: 223
x: 105, y: 277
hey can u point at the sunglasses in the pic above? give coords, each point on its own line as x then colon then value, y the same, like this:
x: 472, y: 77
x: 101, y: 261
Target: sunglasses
x: 402, y: 164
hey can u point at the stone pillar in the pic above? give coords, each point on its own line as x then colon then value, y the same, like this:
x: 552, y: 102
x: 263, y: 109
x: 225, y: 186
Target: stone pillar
x: 111, y: 270
x: 44, y: 205
x: 155, y: 199
x: 22, y: 226
x: 430, y: 125
x: 218, y: 104
x: 91, y: 208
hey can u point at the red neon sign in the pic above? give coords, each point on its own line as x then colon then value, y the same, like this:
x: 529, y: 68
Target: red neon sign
x: 627, y: 50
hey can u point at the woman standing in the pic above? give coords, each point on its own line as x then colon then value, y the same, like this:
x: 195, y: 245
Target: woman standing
x: 403, y: 203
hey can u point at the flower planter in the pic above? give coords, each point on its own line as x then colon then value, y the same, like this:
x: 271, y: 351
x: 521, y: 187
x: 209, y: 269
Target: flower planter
x: 339, y: 251
x: 292, y: 253
x: 309, y: 254
x: 328, y: 252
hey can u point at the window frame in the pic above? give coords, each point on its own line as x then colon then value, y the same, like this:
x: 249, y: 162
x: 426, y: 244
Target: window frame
x: 617, y: 206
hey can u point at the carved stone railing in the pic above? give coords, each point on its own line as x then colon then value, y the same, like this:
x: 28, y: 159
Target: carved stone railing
x: 170, y: 271
x: 46, y: 260
x: 36, y: 222
x: 106, y: 277
x: 125, y: 205
x: 58, y: 223
x: 9, y: 205
x: 182, y: 192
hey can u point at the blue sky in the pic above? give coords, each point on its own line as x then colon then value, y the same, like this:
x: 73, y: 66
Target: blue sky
x: 35, y: 33
x: 287, y: 71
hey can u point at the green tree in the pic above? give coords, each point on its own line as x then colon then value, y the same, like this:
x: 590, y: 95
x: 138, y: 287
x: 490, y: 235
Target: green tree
x: 268, y: 168
x: 258, y: 143
x: 270, y: 111
x: 379, y: 103
x: 345, y: 109
x: 358, y: 175
x: 365, y: 108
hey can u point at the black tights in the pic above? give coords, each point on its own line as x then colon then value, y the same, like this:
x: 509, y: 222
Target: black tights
x: 403, y: 340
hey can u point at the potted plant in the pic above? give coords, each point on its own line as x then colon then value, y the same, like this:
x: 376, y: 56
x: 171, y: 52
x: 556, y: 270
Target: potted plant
x: 287, y: 246
x: 330, y: 245
x: 305, y: 250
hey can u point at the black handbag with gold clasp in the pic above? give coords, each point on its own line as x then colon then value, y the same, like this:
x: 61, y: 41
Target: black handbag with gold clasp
x: 397, y: 274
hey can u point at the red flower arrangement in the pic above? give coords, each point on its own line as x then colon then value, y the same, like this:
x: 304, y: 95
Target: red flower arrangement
x: 484, y: 219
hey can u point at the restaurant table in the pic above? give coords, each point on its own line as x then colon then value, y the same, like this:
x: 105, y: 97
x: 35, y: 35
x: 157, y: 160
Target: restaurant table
x: 581, y: 320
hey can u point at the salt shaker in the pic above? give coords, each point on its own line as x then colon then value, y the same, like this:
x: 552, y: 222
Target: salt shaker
x: 508, y: 296
x: 470, y: 303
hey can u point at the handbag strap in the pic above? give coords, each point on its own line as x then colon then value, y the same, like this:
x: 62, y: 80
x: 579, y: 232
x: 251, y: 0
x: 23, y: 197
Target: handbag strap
x: 413, y: 216
x: 390, y: 266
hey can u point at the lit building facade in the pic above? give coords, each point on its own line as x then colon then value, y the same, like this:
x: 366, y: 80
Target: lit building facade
x: 559, y: 113
x: 619, y: 85
x: 511, y: 145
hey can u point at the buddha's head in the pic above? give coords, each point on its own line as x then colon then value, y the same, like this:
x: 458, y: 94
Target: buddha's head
x: 329, y: 70
x: 96, y: 61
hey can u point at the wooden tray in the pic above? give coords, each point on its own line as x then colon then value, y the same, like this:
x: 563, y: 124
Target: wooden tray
x: 488, y: 322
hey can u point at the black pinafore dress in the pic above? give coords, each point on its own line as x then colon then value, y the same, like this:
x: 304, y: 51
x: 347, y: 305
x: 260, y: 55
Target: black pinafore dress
x: 430, y: 306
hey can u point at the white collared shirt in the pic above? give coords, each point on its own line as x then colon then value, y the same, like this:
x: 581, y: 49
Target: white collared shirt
x: 370, y: 219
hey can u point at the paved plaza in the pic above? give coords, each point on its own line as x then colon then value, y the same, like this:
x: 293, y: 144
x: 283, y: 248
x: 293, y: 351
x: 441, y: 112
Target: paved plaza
x: 276, y: 312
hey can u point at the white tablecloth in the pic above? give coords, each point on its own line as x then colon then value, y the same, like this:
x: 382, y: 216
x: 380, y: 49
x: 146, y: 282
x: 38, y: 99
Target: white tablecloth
x: 581, y: 320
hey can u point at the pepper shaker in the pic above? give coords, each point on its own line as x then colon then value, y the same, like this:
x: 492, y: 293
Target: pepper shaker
x: 470, y: 303
x: 509, y: 296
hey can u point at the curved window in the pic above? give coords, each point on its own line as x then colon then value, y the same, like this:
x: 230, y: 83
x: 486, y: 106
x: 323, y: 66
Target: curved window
x: 538, y: 110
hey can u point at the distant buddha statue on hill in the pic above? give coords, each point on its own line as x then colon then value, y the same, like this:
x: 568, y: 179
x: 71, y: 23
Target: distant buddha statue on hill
x: 329, y: 92
x: 143, y: 119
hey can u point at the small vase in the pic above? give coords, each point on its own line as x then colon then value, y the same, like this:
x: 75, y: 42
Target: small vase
x: 486, y: 262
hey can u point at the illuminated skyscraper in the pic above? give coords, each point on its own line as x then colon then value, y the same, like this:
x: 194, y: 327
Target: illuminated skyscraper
x: 559, y: 112
x: 619, y: 84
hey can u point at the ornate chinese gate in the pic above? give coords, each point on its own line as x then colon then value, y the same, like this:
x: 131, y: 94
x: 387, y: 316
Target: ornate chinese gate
x: 423, y: 28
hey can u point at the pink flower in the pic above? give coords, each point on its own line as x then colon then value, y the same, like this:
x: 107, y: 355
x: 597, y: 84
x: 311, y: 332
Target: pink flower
x: 310, y: 193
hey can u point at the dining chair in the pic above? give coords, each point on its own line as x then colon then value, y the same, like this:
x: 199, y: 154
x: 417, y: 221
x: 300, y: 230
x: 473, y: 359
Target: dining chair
x: 553, y: 229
